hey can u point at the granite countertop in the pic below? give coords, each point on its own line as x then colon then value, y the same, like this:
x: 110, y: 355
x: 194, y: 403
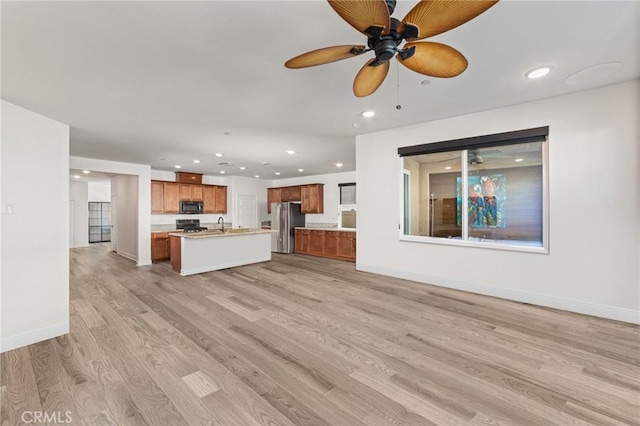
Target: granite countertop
x: 215, y: 233
x: 315, y: 228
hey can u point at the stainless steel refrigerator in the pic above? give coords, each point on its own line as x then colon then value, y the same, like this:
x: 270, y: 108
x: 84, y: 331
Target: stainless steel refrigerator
x: 284, y: 218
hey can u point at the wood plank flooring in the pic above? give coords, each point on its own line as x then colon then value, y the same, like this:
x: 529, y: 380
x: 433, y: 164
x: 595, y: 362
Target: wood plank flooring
x: 310, y: 341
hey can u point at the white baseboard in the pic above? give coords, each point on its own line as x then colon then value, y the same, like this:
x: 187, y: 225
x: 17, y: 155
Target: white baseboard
x: 128, y: 256
x: 31, y: 337
x: 185, y: 272
x: 581, y: 307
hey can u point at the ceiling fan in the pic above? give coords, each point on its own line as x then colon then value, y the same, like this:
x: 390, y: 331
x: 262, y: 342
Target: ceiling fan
x: 385, y: 35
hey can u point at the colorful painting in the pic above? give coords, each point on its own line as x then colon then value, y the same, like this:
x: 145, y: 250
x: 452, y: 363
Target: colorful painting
x: 486, y: 203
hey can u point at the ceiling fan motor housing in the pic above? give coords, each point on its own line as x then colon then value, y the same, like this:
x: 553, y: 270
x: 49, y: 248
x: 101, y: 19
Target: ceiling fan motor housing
x: 386, y: 46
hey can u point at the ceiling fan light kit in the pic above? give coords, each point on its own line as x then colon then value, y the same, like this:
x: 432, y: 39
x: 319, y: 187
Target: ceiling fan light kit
x: 386, y: 34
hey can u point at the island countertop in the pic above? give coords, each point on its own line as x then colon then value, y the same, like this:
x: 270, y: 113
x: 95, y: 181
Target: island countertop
x: 216, y: 233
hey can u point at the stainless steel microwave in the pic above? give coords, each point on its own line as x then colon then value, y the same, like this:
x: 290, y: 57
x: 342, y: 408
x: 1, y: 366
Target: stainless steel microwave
x: 191, y: 207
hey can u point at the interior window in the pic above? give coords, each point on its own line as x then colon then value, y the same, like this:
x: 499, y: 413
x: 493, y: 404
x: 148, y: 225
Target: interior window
x: 491, y: 195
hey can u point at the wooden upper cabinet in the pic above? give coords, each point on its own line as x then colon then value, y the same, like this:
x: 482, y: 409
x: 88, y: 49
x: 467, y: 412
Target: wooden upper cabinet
x: 185, y: 177
x: 157, y: 197
x: 221, y: 199
x: 166, y: 196
x: 209, y: 198
x: 290, y: 193
x: 171, y: 197
x: 185, y: 192
x: 197, y: 193
x: 312, y: 198
x: 274, y: 195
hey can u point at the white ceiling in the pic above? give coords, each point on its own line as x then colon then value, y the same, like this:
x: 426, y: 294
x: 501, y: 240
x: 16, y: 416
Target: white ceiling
x: 160, y: 83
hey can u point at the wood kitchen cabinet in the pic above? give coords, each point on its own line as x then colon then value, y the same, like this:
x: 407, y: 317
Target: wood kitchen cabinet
x: 160, y: 246
x: 166, y: 196
x: 302, y: 241
x: 171, y: 198
x: 312, y: 198
x: 221, y: 199
x: 209, y: 199
x: 326, y: 243
x: 157, y: 197
x: 274, y: 195
x: 186, y: 177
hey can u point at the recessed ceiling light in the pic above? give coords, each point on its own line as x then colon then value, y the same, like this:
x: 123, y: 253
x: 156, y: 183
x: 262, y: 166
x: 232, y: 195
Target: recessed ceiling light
x: 266, y: 163
x: 226, y: 133
x: 177, y: 166
x: 338, y: 164
x: 368, y: 114
x: 196, y: 161
x: 76, y: 177
x: 86, y: 172
x: 277, y: 173
x: 222, y: 172
x: 301, y: 170
x: 448, y: 168
x: 219, y: 155
x: 257, y: 176
x: 290, y: 152
x: 242, y: 168
x: 538, y: 72
x: 519, y: 160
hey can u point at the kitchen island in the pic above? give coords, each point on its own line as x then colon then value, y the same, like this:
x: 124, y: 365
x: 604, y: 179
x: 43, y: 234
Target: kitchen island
x: 195, y: 253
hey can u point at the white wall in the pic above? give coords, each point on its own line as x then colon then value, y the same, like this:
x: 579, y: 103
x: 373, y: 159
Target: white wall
x: 124, y: 215
x: 79, y: 199
x: 100, y: 192
x: 249, y: 186
x: 35, y: 228
x: 593, y: 264
x: 331, y: 193
x: 143, y: 173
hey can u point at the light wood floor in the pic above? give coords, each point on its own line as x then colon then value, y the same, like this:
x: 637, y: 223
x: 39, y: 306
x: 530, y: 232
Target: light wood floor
x: 309, y: 341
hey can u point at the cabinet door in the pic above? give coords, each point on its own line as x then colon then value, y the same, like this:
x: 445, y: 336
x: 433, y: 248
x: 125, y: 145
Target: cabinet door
x: 347, y: 245
x: 171, y: 200
x: 312, y: 198
x: 295, y: 193
x: 274, y: 195
x: 159, y: 246
x: 209, y: 198
x: 221, y: 199
x: 316, y: 242
x: 302, y: 241
x: 185, y: 192
x: 197, y: 192
x: 157, y: 197
x: 330, y: 244
x: 286, y: 194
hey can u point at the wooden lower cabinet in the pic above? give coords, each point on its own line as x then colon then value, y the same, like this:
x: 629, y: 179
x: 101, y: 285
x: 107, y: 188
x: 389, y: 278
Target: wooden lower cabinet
x: 160, y: 246
x: 333, y: 244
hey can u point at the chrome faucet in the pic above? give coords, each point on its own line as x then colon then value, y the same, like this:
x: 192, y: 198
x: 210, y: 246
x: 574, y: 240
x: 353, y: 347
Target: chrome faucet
x: 221, y: 219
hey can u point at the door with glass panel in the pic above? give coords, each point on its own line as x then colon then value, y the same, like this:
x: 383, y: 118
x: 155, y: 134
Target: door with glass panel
x: 99, y: 222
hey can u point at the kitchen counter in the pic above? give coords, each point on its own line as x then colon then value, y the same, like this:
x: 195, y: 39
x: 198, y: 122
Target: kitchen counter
x: 326, y: 229
x: 216, y: 233
x: 198, y: 252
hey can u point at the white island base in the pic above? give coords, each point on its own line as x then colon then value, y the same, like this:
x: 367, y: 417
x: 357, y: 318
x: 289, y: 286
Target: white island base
x: 210, y: 251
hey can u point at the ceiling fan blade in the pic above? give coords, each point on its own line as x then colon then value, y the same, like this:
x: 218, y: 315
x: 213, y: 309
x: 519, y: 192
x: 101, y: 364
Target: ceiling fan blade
x: 369, y: 78
x: 324, y: 56
x: 437, y: 16
x: 367, y: 16
x: 434, y: 60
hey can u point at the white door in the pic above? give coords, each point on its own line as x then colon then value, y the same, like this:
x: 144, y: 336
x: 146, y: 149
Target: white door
x: 72, y: 238
x: 247, y: 211
x: 114, y: 222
